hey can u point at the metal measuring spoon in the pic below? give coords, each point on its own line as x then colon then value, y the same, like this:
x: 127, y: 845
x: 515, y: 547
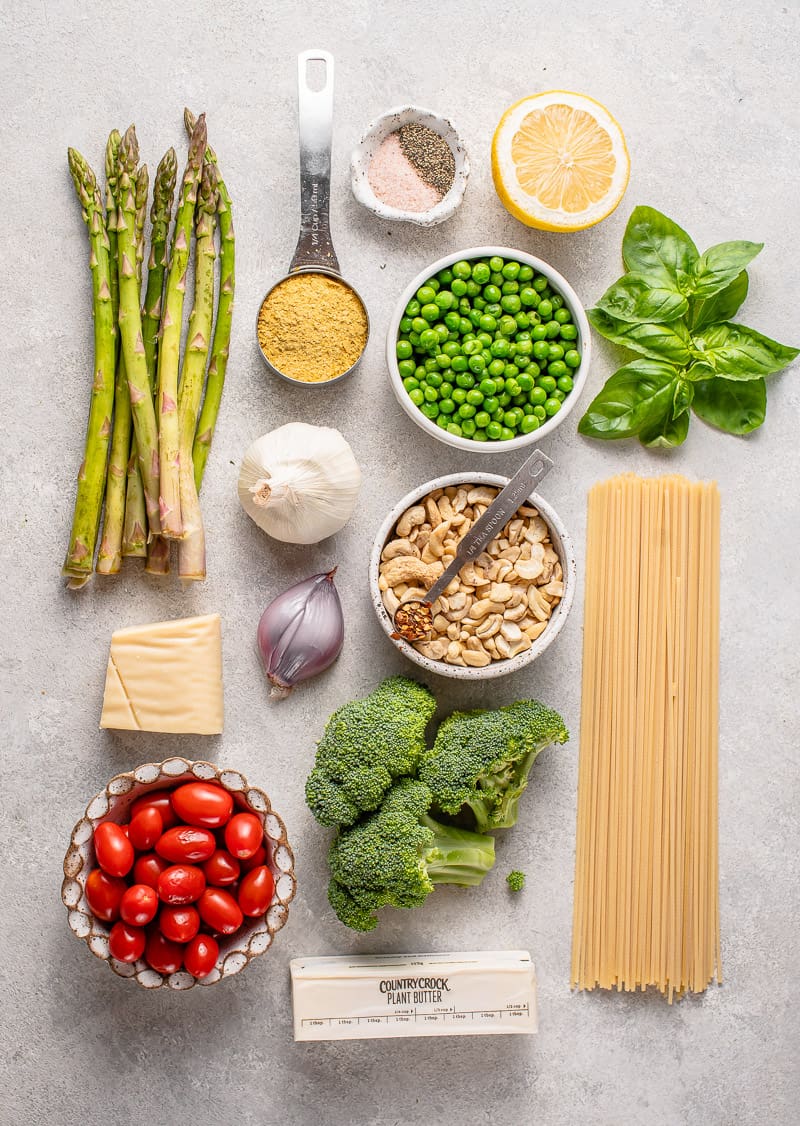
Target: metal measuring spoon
x: 314, y: 253
x: 413, y: 621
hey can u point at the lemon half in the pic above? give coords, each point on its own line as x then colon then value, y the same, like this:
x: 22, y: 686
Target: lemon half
x: 559, y: 161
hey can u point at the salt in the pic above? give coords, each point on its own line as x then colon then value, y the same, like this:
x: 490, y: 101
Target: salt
x: 395, y: 180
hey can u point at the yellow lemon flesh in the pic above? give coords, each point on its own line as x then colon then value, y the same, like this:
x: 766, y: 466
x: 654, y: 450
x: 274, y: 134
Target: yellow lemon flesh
x: 559, y: 161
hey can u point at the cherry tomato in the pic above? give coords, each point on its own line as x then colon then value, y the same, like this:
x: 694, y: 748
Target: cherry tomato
x: 139, y: 905
x: 104, y: 894
x: 145, y: 828
x: 202, y: 804
x: 244, y: 834
x: 126, y: 943
x: 184, y: 843
x: 220, y: 911
x: 256, y: 891
x: 160, y: 800
x: 162, y: 955
x: 201, y: 955
x: 148, y: 868
x: 113, y: 850
x: 179, y: 924
x: 258, y: 858
x: 181, y: 883
x: 221, y: 868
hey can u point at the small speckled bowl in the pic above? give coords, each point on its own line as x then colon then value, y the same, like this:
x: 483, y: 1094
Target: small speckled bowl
x: 373, y: 138
x: 560, y: 539
x: 112, y: 804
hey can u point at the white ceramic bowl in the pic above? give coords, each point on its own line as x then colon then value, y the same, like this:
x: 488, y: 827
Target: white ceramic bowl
x: 111, y: 804
x: 560, y: 540
x: 571, y: 300
x: 373, y: 138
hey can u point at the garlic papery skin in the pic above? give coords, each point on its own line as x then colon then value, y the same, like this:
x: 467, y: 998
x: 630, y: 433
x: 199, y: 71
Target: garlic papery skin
x: 299, y: 482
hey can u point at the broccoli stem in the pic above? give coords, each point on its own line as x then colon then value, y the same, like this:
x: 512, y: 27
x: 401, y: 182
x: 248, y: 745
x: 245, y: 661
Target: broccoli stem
x: 457, y: 856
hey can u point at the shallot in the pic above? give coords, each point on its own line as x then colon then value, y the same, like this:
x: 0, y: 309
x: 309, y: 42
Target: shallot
x: 301, y: 633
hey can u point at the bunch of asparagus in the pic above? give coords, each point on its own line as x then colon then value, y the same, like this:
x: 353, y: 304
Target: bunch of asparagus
x: 153, y: 411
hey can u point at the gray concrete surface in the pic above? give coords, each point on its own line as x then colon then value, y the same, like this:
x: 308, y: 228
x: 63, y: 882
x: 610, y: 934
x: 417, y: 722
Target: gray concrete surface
x: 707, y: 95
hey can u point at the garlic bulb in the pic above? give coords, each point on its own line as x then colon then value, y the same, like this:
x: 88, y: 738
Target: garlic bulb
x: 299, y: 482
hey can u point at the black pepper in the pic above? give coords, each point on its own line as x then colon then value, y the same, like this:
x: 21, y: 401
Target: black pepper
x: 430, y: 154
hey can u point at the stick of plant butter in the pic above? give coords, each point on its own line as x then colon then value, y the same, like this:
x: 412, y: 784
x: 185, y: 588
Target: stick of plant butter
x: 373, y: 996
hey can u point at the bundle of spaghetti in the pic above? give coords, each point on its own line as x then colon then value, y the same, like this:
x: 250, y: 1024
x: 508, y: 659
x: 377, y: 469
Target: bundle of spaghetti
x: 646, y: 906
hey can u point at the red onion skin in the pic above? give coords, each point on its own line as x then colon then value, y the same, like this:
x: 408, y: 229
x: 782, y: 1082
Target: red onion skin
x: 301, y: 632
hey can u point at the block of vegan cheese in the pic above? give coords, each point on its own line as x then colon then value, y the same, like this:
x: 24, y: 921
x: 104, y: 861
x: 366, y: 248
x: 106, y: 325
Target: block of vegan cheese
x: 166, y: 677
x: 378, y: 995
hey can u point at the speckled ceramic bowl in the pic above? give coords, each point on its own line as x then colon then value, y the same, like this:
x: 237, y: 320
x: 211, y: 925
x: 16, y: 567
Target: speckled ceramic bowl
x: 112, y: 804
x: 560, y: 539
x: 373, y: 138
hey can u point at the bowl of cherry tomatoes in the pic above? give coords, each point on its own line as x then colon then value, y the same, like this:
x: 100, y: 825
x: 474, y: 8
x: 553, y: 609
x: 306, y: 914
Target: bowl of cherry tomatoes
x: 178, y: 874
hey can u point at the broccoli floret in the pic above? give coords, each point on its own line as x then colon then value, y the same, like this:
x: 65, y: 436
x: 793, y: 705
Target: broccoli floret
x: 482, y: 759
x: 515, y: 880
x: 366, y: 745
x: 397, y: 855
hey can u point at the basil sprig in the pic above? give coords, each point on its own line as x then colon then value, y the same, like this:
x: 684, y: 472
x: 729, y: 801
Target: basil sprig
x: 674, y: 307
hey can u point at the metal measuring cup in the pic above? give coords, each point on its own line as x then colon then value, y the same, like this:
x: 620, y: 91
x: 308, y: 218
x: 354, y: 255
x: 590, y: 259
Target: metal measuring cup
x: 314, y: 253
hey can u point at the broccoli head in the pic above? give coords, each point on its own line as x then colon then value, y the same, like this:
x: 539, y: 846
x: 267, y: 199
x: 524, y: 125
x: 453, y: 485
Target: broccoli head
x: 515, y: 880
x: 397, y: 855
x: 366, y: 745
x: 481, y: 760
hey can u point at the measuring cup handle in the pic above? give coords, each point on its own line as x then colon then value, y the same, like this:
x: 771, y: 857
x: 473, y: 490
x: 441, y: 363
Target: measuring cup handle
x: 315, y: 121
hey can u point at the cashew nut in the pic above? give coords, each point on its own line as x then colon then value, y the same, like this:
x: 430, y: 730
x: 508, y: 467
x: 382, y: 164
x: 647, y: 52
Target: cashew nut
x: 407, y: 569
x: 481, y: 494
x: 399, y: 547
x: 410, y: 519
x: 432, y: 511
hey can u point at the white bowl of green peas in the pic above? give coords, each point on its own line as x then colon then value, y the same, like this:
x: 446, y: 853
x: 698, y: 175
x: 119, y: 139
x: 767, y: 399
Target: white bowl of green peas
x: 488, y: 349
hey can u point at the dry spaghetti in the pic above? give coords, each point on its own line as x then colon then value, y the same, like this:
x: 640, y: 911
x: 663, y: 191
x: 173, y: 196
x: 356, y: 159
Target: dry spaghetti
x: 646, y: 906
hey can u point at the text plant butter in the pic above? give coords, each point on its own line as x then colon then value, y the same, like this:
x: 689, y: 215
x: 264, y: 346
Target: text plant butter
x: 376, y: 995
x: 166, y: 677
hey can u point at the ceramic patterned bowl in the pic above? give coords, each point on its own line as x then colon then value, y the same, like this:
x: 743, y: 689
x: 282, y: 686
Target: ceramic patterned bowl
x: 112, y: 804
x: 562, y: 544
x: 373, y: 138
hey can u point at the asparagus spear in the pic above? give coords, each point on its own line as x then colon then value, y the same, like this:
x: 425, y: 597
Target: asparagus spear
x: 134, y: 536
x: 160, y: 215
x: 92, y: 474
x: 169, y: 350
x: 112, y: 151
x: 192, y: 548
x: 130, y: 323
x: 222, y: 331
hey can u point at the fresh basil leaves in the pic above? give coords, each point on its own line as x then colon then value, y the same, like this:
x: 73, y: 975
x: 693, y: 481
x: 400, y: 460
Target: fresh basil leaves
x: 674, y: 306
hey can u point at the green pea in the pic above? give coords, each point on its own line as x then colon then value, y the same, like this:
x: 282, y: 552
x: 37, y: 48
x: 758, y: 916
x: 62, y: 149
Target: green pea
x: 430, y: 364
x: 464, y: 325
x: 528, y: 296
x: 512, y: 387
x: 565, y: 384
x: 471, y: 347
x: 428, y: 339
x: 496, y: 278
x: 487, y: 355
x: 491, y: 404
x: 454, y: 428
x: 509, y: 289
x: 482, y: 419
x: 496, y: 263
x: 525, y: 273
x: 572, y: 358
x: 494, y: 309
x: 461, y: 269
x: 452, y: 320
x: 541, y: 350
x: 430, y: 410
x: 434, y: 379
x: 465, y: 380
x: 466, y: 410
x: 562, y: 315
x: 431, y: 394
x: 447, y: 406
x: 479, y: 305
x: 522, y: 362
x: 529, y: 423
x: 458, y: 287
x: 451, y: 348
x: 443, y: 361
x: 499, y: 383
x: 499, y: 348
x: 557, y: 300
x: 413, y: 339
x: 404, y: 349
x: 497, y: 416
x: 511, y: 418
x: 539, y: 411
x: 511, y: 304
x: 496, y: 367
x: 508, y: 326
x: 569, y: 332
x: 512, y: 371
x: 405, y: 325
x: 539, y: 283
x: 551, y: 407
x: 547, y: 383
x: 511, y: 271
x: 524, y: 322
x: 446, y: 390
x: 538, y: 332
x: 419, y: 324
x: 491, y: 294
x: 459, y: 363
x: 545, y: 310
x: 537, y: 396
x: 481, y: 273
x: 525, y: 382
x: 406, y: 368
x: 507, y: 434
x: 504, y: 399
x: 477, y: 364
x: 468, y: 427
x: 557, y: 368
x: 488, y: 323
x: 485, y: 339
x: 520, y: 400
x: 417, y: 396
x: 419, y: 371
x: 555, y: 352
x: 475, y: 397
x: 553, y: 330
x: 473, y: 289
x: 458, y: 395
x: 480, y: 436
x: 410, y: 383
x: 413, y: 307
x: 434, y: 283
x: 494, y: 431
x: 442, y: 421
x: 445, y: 276
x: 425, y: 294
x: 430, y: 312
x: 558, y: 394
